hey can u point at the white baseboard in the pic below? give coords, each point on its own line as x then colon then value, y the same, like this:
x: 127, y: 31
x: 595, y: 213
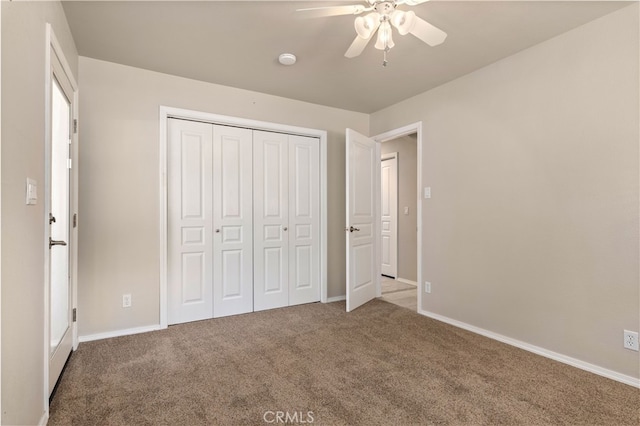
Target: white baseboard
x: 402, y: 280
x: 601, y: 371
x: 118, y: 333
x: 336, y: 299
x: 45, y: 417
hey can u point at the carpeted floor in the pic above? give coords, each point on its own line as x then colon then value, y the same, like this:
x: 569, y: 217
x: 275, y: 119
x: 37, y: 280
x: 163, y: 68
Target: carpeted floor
x: 379, y: 365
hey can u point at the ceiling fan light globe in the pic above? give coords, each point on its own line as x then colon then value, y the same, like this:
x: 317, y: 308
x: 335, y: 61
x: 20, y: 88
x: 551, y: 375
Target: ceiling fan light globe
x: 385, y: 39
x: 366, y: 25
x: 403, y: 21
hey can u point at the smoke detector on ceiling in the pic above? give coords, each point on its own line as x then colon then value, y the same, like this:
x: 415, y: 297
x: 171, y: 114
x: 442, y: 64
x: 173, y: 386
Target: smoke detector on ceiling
x: 287, y: 59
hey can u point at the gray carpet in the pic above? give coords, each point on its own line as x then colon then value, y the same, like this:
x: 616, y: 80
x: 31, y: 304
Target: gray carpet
x: 379, y: 365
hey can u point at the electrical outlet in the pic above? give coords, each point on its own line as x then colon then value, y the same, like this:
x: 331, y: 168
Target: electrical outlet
x: 427, y: 287
x: 126, y: 300
x: 631, y: 340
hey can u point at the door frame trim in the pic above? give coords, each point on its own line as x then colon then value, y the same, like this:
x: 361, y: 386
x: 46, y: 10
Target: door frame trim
x: 52, y: 46
x: 167, y: 112
x: 385, y: 137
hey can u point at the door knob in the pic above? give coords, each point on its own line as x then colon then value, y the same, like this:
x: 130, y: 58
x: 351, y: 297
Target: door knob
x: 284, y: 229
x: 217, y: 230
x: 52, y: 219
x: 56, y: 243
x: 351, y: 229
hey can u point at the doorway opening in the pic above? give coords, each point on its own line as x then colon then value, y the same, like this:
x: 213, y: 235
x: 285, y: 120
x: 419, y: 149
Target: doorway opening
x: 399, y: 221
x: 364, y: 217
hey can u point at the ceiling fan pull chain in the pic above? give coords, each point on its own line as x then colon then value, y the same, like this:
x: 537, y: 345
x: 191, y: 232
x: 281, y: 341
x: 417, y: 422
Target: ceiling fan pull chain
x: 384, y: 58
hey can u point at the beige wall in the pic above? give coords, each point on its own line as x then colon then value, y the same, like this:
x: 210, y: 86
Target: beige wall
x: 119, y: 181
x: 23, y: 107
x: 532, y: 228
x: 407, y: 196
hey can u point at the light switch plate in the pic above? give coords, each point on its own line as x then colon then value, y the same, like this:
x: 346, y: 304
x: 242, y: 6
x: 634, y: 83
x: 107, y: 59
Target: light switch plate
x: 31, y: 192
x: 406, y: 210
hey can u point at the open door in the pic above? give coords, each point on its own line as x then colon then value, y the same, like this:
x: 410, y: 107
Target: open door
x: 362, y: 189
x: 59, y: 193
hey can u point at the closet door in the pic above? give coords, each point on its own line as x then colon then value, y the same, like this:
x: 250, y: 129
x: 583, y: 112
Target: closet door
x: 270, y: 220
x: 304, y: 220
x: 233, y: 221
x: 190, y: 215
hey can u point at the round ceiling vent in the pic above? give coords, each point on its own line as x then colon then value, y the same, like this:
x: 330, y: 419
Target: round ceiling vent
x: 287, y: 59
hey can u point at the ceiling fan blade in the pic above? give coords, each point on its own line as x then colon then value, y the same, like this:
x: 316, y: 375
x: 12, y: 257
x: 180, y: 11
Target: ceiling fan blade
x: 320, y: 12
x: 412, y: 2
x: 428, y: 33
x: 357, y: 46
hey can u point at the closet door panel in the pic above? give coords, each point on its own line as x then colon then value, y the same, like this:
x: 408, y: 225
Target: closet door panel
x: 270, y: 220
x: 304, y: 220
x: 233, y: 221
x: 190, y: 247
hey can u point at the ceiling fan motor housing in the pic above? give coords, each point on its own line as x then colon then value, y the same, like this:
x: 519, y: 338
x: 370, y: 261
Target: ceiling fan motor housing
x: 385, y: 8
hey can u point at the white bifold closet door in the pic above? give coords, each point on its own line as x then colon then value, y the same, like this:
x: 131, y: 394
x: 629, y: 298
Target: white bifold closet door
x: 190, y: 215
x: 243, y: 220
x: 286, y: 216
x: 209, y: 221
x: 233, y: 221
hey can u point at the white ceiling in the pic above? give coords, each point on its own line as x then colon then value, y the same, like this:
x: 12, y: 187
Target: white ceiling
x: 237, y: 44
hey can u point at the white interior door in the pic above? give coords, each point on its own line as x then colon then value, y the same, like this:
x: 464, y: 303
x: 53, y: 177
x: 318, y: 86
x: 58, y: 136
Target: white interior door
x: 270, y: 220
x: 60, y: 306
x: 233, y: 221
x: 190, y: 221
x: 362, y: 187
x: 389, y: 215
x: 304, y: 220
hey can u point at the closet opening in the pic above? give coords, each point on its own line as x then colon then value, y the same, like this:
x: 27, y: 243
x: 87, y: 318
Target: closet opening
x: 243, y: 224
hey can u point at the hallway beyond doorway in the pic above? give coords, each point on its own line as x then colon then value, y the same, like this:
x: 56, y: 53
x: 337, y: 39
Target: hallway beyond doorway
x: 399, y: 293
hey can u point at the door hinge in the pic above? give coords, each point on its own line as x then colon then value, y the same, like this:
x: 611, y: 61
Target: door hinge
x: 75, y: 125
x: 75, y: 220
x: 74, y: 314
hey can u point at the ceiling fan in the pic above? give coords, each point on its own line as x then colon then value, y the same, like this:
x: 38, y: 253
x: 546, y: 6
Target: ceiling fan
x: 384, y: 15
